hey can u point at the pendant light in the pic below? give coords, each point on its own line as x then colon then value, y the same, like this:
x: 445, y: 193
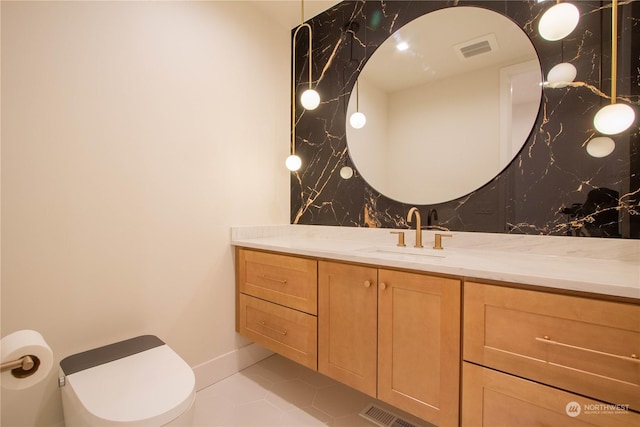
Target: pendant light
x: 558, y: 21
x: 309, y: 99
x: 614, y: 118
x: 561, y: 75
x: 357, y: 119
x: 600, y: 146
x: 346, y: 172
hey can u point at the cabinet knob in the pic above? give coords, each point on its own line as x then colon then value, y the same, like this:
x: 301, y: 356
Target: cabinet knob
x: 383, y: 286
x: 546, y: 337
x: 367, y: 283
x: 634, y: 356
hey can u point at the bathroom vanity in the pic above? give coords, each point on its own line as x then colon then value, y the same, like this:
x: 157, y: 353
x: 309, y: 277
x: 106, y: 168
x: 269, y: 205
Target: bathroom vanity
x: 491, y: 329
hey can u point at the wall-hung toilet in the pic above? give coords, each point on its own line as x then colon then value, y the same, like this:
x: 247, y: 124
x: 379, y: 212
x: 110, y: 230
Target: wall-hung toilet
x: 136, y: 382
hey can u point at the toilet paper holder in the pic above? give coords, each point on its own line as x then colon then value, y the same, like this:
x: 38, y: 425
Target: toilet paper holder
x: 22, y: 367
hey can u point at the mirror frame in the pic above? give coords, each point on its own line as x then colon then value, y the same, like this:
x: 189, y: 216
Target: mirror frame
x: 535, y: 193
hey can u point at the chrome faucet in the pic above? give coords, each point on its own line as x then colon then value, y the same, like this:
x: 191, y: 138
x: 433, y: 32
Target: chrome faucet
x: 418, y: 225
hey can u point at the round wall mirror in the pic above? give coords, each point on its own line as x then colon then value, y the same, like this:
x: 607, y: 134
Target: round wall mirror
x: 449, y: 99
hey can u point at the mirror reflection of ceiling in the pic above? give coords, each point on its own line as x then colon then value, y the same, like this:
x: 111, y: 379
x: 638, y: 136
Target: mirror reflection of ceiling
x: 440, y: 125
x: 434, y: 50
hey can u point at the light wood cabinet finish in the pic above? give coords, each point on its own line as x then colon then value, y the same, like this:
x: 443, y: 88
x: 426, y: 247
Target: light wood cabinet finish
x: 494, y: 399
x: 287, y: 280
x: 419, y: 345
x: 347, y: 328
x: 288, y: 332
x: 396, y: 335
x: 588, y: 346
x: 408, y: 357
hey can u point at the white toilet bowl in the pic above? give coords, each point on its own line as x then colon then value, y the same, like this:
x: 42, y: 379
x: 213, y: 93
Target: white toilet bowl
x: 137, y: 382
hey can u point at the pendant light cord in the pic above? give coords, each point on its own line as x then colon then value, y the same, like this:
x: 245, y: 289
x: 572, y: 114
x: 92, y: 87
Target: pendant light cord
x: 293, y: 74
x: 614, y: 49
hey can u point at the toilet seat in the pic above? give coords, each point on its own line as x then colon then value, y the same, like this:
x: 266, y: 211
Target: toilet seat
x: 149, y: 387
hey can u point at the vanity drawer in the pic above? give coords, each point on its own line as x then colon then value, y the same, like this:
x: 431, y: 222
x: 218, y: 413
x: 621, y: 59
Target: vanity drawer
x: 494, y: 399
x: 288, y: 332
x: 587, y: 346
x: 287, y: 280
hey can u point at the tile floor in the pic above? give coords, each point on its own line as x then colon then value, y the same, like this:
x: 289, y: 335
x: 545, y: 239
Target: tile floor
x: 278, y: 392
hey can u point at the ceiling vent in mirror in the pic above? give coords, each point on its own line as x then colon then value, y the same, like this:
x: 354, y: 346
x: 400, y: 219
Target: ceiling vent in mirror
x: 477, y: 46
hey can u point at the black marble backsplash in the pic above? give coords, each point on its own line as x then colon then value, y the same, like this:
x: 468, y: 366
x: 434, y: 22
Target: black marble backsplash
x: 553, y: 187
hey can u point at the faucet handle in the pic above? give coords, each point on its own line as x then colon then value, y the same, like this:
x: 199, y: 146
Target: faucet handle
x: 400, y: 237
x: 438, y: 241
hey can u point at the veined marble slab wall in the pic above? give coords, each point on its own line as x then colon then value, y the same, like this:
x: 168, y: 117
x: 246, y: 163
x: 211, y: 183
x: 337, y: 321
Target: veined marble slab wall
x: 547, y: 189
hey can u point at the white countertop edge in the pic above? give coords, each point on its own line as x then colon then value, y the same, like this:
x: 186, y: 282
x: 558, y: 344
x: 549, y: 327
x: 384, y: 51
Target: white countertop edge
x: 307, y: 242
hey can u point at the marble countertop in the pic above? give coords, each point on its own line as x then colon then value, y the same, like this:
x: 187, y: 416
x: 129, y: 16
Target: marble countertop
x: 593, y: 265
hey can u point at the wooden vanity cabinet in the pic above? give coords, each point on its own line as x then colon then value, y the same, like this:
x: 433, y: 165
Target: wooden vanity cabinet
x: 277, y: 303
x: 410, y: 356
x: 584, y: 346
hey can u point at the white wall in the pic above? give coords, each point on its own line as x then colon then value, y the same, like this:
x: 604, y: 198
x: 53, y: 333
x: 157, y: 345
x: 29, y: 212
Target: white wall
x: 426, y: 135
x: 368, y: 146
x: 134, y: 134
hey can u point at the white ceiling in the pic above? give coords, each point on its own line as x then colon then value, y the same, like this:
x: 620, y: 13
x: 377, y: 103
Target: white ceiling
x: 288, y: 12
x: 433, y: 44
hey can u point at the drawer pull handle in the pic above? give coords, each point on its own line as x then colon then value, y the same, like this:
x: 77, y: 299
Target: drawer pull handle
x: 546, y: 340
x: 367, y: 283
x: 274, y: 279
x: 383, y: 286
x: 284, y: 332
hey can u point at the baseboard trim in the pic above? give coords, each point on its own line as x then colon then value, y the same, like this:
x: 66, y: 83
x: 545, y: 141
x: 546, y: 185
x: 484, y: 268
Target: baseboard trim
x: 214, y: 370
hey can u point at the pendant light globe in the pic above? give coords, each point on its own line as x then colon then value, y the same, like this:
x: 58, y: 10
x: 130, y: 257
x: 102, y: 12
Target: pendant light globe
x: 558, y: 21
x: 600, y: 146
x: 561, y: 75
x: 293, y: 163
x: 310, y: 99
x: 357, y: 120
x: 614, y: 118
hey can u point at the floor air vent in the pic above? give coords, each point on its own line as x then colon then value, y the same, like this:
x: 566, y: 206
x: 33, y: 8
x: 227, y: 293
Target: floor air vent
x: 384, y: 418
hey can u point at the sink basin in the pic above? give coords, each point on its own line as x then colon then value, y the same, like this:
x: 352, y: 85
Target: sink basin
x: 399, y: 250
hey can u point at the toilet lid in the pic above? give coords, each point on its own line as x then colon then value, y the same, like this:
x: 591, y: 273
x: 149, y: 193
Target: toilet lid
x: 155, y: 385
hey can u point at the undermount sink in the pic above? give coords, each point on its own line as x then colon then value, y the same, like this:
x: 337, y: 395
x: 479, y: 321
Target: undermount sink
x: 400, y: 250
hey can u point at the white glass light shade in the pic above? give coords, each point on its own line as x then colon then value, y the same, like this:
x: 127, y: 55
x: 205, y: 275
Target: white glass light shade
x: 558, y: 21
x: 561, y: 75
x: 600, y: 146
x: 357, y: 120
x: 310, y: 99
x: 346, y: 172
x: 293, y: 163
x: 614, y: 118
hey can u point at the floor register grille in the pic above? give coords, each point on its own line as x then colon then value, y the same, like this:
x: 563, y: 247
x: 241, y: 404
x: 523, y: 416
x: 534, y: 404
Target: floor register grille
x: 384, y: 418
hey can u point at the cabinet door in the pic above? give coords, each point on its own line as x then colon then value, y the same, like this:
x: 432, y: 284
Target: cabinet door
x: 494, y: 399
x: 419, y: 345
x: 347, y: 324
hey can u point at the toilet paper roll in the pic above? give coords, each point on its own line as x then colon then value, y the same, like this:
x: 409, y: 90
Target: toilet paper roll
x: 25, y: 343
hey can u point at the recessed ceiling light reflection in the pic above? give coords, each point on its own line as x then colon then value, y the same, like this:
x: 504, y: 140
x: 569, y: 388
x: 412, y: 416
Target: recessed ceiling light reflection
x: 402, y: 46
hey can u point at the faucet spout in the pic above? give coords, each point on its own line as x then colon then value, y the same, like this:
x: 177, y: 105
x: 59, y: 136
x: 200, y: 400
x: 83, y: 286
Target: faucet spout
x: 411, y: 213
x: 432, y: 217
